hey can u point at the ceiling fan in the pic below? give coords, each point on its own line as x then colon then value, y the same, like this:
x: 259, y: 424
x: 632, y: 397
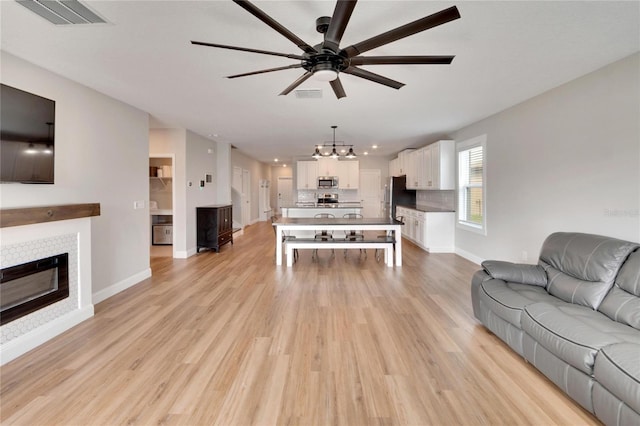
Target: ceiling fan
x: 326, y: 60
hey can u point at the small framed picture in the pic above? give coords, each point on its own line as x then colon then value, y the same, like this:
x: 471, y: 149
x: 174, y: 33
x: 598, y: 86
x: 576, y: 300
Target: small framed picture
x: 208, y: 178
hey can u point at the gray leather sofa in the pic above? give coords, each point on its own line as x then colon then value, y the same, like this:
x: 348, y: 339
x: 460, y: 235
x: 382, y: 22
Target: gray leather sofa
x: 575, y: 316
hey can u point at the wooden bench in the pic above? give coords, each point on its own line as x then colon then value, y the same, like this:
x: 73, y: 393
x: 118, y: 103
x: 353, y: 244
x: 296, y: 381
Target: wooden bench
x: 385, y: 243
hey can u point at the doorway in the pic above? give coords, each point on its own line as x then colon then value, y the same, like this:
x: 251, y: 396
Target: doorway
x: 285, y: 193
x: 161, y: 205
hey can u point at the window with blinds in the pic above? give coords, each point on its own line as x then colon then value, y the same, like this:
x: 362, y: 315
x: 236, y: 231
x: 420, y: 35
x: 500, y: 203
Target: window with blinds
x: 471, y: 184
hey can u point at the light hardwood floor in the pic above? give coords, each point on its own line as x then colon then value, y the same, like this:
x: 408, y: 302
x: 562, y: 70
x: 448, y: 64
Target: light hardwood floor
x: 229, y: 338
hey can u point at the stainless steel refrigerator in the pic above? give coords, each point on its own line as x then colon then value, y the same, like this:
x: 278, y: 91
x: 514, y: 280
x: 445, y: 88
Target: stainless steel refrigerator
x: 396, y: 192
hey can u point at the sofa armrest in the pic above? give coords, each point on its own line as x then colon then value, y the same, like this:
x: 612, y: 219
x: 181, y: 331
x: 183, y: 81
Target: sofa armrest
x: 516, y: 272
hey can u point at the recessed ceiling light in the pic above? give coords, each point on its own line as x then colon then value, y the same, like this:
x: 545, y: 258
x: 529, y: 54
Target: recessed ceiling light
x: 284, y: 165
x: 275, y: 159
x: 374, y: 146
x: 365, y: 153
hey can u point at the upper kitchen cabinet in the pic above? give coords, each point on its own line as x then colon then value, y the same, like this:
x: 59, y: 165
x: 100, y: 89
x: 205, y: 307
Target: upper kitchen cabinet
x: 434, y: 167
x: 394, y: 167
x: 348, y: 174
x: 307, y: 175
x: 442, y: 173
x: 327, y: 167
x: 405, y: 162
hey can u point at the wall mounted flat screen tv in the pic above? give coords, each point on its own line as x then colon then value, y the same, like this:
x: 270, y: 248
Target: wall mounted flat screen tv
x: 27, y: 136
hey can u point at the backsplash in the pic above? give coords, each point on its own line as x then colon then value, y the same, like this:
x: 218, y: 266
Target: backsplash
x: 437, y: 199
x: 344, y: 195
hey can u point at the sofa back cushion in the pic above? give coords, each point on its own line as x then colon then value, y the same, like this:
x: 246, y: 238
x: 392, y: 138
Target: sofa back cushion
x: 581, y: 268
x: 622, y: 304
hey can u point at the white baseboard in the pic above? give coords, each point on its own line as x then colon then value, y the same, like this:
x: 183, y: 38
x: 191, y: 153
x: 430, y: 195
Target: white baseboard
x: 183, y: 254
x: 120, y: 286
x: 441, y: 250
x: 23, y: 344
x: 469, y: 256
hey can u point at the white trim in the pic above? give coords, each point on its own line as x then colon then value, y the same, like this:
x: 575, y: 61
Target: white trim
x: 463, y: 146
x: 116, y: 288
x: 469, y: 256
x: 23, y: 344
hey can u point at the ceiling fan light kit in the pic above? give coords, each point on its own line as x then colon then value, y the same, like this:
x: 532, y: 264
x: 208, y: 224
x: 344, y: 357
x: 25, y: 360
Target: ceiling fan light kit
x: 326, y: 60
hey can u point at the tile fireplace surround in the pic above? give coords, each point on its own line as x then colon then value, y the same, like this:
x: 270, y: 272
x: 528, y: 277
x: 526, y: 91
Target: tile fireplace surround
x: 34, y: 233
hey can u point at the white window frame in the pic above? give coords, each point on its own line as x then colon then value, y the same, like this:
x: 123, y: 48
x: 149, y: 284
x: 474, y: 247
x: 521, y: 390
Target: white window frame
x: 461, y: 222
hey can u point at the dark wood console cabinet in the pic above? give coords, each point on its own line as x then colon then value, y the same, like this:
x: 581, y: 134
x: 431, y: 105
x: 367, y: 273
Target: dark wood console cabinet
x: 214, y: 226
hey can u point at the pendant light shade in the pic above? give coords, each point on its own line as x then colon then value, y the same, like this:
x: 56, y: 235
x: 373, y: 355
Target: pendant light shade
x: 334, y: 152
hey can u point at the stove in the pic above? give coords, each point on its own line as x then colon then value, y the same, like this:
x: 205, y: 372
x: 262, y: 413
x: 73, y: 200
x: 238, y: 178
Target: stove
x: 327, y: 199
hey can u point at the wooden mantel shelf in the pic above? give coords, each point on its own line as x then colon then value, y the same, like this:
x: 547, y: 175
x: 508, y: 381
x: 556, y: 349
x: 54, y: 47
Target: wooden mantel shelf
x: 32, y: 215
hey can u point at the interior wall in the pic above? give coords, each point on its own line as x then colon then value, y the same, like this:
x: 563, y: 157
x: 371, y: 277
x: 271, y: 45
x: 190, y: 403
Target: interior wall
x: 566, y: 160
x: 101, y: 155
x: 201, y: 160
x: 258, y: 170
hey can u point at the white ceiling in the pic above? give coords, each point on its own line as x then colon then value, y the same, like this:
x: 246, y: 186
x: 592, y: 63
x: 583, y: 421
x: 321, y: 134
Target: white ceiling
x: 506, y: 52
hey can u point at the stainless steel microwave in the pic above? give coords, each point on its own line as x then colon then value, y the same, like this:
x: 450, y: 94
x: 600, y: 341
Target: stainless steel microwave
x: 327, y: 182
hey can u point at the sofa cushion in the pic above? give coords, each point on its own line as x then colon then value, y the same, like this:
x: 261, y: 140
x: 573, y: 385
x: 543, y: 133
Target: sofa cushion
x: 507, y: 299
x: 581, y: 268
x: 622, y: 304
x: 617, y: 369
x: 516, y: 272
x: 585, y: 256
x: 574, y: 333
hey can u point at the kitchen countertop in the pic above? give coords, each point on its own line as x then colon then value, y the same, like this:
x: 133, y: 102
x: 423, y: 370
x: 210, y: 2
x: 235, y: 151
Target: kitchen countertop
x: 160, y: 212
x: 426, y: 209
x: 345, y: 205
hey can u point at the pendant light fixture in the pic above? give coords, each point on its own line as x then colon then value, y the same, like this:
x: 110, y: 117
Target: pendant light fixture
x: 334, y: 152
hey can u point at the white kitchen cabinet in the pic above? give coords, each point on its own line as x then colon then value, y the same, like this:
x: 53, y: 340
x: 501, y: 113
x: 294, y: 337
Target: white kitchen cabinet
x: 432, y: 167
x: 431, y: 231
x: 394, y: 167
x: 404, y: 158
x: 440, y: 166
x: 348, y: 174
x: 415, y: 169
x: 307, y: 175
x: 328, y: 167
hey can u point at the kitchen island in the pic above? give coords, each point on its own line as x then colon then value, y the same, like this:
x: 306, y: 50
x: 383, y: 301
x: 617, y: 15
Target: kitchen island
x: 312, y: 209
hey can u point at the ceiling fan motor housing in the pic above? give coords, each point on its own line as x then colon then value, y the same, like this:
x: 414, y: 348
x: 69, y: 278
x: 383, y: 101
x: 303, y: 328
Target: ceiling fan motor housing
x: 322, y: 24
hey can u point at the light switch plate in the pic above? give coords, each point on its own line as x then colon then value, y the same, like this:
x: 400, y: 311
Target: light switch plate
x: 138, y: 205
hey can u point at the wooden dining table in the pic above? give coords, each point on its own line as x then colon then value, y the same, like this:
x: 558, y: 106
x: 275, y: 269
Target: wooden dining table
x: 287, y: 224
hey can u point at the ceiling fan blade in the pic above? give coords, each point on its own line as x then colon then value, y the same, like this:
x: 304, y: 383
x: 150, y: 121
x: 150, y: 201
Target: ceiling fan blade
x: 400, y: 60
x: 296, y: 83
x: 403, y: 31
x: 336, y: 85
x: 376, y: 78
x: 246, y: 49
x: 338, y: 23
x: 267, y: 70
x: 252, y: 9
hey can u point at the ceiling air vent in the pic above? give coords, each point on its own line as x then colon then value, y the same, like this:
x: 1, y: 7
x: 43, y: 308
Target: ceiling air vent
x: 308, y: 93
x: 62, y: 12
